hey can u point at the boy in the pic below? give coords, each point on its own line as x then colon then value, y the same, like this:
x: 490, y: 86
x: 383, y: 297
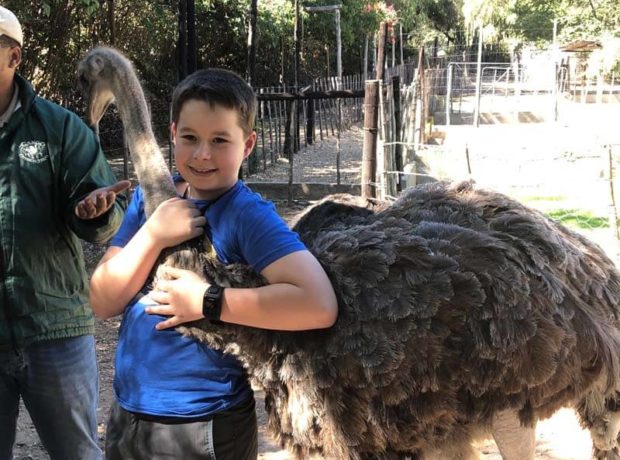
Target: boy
x: 177, y: 398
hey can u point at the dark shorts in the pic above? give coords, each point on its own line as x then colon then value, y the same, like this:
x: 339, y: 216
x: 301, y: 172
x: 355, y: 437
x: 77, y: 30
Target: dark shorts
x: 228, y: 435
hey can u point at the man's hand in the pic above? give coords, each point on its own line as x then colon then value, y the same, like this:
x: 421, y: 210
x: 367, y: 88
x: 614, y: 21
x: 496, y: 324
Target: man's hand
x: 180, y: 298
x: 99, y: 201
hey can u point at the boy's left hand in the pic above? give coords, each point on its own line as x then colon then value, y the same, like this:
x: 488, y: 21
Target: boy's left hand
x: 99, y: 201
x: 180, y: 297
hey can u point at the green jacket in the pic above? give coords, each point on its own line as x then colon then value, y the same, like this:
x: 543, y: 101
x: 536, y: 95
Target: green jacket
x: 49, y: 160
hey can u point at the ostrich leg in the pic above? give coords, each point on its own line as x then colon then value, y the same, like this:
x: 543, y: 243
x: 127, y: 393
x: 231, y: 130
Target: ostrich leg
x: 602, y: 417
x: 514, y: 441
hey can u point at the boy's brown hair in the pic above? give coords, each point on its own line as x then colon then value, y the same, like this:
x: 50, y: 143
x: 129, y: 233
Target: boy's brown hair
x: 221, y: 87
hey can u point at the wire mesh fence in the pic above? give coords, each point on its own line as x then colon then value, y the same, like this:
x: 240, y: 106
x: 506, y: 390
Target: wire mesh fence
x: 576, y: 186
x: 537, y: 125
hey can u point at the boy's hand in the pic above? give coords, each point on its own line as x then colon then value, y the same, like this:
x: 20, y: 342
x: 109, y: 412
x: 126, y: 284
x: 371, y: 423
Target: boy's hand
x: 99, y: 201
x: 180, y: 298
x: 174, y: 221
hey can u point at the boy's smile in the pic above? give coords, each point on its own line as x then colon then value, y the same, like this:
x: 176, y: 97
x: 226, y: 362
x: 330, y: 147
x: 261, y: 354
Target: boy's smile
x: 209, y: 147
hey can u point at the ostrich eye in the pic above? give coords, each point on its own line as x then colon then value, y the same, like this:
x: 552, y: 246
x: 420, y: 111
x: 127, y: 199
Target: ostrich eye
x: 83, y: 82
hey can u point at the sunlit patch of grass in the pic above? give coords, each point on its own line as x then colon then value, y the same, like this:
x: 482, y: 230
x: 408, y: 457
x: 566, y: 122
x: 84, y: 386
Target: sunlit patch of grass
x: 544, y: 198
x: 578, y: 218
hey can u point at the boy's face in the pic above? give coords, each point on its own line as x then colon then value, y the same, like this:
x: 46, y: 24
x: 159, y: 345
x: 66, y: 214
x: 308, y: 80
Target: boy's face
x: 209, y: 147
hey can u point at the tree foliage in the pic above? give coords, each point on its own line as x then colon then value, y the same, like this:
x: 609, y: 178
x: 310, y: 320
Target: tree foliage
x: 59, y: 32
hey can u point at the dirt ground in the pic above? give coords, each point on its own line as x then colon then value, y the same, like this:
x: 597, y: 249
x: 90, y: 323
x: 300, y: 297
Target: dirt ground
x: 557, y: 438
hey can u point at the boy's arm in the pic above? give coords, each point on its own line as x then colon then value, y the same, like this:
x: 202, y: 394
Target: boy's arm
x: 123, y: 271
x: 299, y: 297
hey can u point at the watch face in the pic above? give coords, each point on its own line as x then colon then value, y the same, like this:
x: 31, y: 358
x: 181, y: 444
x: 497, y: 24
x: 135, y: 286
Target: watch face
x: 213, y: 290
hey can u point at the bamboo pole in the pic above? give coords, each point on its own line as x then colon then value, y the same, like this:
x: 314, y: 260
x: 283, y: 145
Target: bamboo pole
x: 369, y: 156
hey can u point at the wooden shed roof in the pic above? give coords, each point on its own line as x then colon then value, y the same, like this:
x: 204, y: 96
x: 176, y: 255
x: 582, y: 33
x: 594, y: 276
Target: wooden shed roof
x: 581, y: 46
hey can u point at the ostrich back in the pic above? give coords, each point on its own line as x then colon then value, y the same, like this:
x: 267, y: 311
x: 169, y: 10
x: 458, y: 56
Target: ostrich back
x: 454, y: 303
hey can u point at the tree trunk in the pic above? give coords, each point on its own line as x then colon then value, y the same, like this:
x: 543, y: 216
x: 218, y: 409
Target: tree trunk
x: 296, y: 81
x: 111, y: 25
x: 182, y: 41
x: 192, y: 55
x: 338, y: 47
x: 251, y: 64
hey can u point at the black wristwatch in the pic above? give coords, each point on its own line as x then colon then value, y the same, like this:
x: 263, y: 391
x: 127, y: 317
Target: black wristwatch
x: 212, y: 302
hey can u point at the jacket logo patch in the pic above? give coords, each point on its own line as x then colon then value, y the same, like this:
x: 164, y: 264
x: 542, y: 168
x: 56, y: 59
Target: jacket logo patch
x: 33, y: 151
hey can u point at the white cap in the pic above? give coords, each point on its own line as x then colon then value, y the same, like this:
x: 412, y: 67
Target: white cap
x: 9, y: 26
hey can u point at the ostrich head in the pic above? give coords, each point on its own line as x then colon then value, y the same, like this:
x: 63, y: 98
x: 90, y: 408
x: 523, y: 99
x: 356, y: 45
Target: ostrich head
x: 96, y: 80
x: 106, y: 76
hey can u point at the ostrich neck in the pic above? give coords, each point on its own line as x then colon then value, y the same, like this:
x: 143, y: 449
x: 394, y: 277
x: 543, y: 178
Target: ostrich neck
x: 148, y: 161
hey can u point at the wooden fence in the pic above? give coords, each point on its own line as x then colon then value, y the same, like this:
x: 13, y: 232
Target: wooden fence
x: 323, y: 108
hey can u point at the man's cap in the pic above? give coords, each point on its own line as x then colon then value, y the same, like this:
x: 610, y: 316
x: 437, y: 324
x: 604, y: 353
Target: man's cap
x: 9, y: 26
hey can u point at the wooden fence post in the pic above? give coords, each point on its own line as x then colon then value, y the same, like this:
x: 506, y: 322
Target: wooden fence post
x: 613, y: 213
x: 381, y: 51
x: 310, y: 121
x: 397, y: 133
x: 421, y: 99
x: 289, y: 147
x: 449, y: 94
x: 478, y: 80
x: 369, y: 156
x: 288, y: 137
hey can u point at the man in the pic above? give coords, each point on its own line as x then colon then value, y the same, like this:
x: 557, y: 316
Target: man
x: 55, y: 187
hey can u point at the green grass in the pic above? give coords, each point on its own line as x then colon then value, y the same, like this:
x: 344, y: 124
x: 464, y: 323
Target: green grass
x: 579, y: 218
x: 544, y: 198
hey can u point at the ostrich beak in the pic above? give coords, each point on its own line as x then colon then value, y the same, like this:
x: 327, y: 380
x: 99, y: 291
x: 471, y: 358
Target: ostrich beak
x: 97, y: 101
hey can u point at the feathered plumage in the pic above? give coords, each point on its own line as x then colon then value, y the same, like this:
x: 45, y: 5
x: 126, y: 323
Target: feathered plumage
x: 454, y: 304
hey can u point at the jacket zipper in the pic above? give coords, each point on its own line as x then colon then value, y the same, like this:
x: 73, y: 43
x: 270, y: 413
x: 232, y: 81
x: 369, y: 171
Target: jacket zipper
x: 5, y: 300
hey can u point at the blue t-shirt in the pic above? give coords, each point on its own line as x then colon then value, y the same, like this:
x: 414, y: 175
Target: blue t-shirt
x: 164, y: 374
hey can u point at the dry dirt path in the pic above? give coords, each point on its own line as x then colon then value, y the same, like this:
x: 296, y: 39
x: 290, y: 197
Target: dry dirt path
x: 557, y: 438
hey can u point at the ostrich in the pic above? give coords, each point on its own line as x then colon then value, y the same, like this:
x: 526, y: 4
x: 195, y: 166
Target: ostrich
x: 461, y: 312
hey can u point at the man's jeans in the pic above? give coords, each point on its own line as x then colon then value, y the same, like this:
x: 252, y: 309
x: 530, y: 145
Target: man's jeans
x: 58, y: 381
